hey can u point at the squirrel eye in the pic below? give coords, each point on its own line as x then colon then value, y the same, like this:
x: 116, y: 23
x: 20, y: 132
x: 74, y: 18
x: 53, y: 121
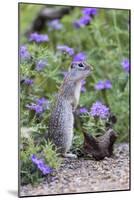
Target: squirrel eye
x: 80, y: 65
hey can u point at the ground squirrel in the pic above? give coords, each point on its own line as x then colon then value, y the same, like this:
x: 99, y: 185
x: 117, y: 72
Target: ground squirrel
x: 60, y: 129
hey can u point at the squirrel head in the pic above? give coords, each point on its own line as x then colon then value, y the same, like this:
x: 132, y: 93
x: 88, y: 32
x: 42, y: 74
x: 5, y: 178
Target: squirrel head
x: 79, y: 71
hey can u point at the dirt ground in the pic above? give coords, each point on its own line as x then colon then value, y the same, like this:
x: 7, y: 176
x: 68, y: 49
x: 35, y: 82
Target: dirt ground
x: 79, y: 175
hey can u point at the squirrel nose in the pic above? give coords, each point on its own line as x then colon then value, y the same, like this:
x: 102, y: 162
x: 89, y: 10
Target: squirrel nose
x: 90, y: 67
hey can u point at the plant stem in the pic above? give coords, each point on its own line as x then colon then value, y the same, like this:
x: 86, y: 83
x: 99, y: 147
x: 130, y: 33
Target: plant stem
x: 104, y: 95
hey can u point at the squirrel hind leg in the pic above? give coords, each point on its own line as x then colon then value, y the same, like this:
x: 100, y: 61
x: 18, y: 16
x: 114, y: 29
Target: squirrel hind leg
x: 69, y: 155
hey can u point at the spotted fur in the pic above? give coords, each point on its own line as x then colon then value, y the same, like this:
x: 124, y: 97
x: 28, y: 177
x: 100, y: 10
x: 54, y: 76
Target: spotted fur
x: 62, y: 120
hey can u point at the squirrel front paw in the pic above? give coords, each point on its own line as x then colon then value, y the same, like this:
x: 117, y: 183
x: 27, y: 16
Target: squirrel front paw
x: 69, y: 155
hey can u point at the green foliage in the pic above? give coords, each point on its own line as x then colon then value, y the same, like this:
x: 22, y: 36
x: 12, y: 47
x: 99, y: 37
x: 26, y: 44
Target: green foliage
x: 28, y: 173
x: 94, y: 126
x: 45, y: 149
x: 106, y: 43
x: 51, y: 156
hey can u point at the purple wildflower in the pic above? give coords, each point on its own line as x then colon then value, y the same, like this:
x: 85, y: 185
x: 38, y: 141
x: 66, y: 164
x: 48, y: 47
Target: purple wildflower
x: 40, y: 105
x: 28, y: 81
x: 79, y: 57
x: 40, y: 65
x: 101, y: 85
x: 82, y: 22
x: 126, y: 65
x: 83, y: 89
x: 83, y: 110
x: 99, y: 110
x: 43, y: 102
x: 38, y: 37
x: 55, y: 24
x: 40, y: 101
x: 65, y: 48
x: 45, y: 169
x: 24, y: 53
x: 89, y: 11
x: 108, y: 84
x: 85, y: 20
x: 76, y: 24
x: 37, y: 108
x: 34, y: 159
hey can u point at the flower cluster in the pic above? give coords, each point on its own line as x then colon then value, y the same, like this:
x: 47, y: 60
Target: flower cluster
x: 66, y: 49
x: 101, y: 85
x: 126, y: 65
x: 88, y: 13
x: 24, y: 53
x: 99, y: 110
x: 28, y: 81
x: 40, y: 105
x: 45, y: 169
x: 39, y: 38
x: 79, y: 57
x: 83, y: 110
x: 40, y: 65
x: 55, y: 25
x: 43, y: 101
x: 82, y: 22
x: 37, y: 108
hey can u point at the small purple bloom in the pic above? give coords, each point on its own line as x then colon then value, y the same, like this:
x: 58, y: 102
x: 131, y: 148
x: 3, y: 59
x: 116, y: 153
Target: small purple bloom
x: 37, y: 108
x: 40, y: 65
x: 89, y: 11
x: 108, y: 84
x: 101, y: 85
x: 126, y: 65
x: 77, y: 24
x: 83, y: 89
x: 40, y: 106
x: 83, y: 110
x: 82, y: 22
x: 34, y: 159
x: 28, y: 81
x: 45, y: 169
x: 41, y: 101
x: 38, y: 37
x: 55, y: 24
x: 85, y: 20
x: 99, y: 110
x: 65, y: 48
x: 79, y: 57
x: 24, y: 53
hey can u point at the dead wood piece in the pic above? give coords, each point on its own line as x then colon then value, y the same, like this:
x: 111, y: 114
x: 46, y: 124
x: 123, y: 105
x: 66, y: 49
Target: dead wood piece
x: 100, y: 147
